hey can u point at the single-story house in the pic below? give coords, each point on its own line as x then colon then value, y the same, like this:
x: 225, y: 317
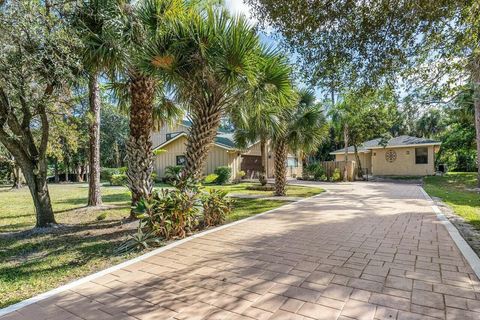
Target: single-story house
x: 401, y: 156
x: 225, y: 152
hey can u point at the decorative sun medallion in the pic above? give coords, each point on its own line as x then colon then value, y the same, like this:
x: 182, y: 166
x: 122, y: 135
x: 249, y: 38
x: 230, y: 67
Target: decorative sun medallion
x: 390, y: 156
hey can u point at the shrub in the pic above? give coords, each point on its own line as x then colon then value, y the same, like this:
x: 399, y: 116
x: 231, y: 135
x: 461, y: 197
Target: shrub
x: 241, y: 174
x: 170, y: 213
x: 154, y: 177
x: 102, y: 216
x: 211, y: 178
x: 107, y: 173
x: 224, y: 173
x: 266, y: 187
x: 315, y: 171
x: 119, y: 180
x: 336, y: 176
x: 216, y: 207
x: 172, y: 173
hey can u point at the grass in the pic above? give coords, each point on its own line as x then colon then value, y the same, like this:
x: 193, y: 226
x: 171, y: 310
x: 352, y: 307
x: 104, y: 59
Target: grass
x: 244, y: 208
x: 456, y: 190
x: 292, y: 191
x: 32, y: 262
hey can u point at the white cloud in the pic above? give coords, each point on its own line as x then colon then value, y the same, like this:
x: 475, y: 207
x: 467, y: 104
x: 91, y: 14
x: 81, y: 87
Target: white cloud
x: 238, y: 7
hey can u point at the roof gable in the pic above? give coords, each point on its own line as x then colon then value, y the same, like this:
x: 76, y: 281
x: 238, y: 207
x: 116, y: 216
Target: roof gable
x: 400, y: 141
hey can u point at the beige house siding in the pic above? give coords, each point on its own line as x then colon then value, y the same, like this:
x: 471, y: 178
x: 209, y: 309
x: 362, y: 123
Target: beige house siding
x: 216, y: 157
x: 365, y: 159
x: 404, y: 164
x: 160, y: 136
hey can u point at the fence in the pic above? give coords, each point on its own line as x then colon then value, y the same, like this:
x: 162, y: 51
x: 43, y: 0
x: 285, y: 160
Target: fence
x: 330, y: 167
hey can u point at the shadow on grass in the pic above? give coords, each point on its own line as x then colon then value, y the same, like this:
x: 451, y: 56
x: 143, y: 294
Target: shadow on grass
x: 108, y: 198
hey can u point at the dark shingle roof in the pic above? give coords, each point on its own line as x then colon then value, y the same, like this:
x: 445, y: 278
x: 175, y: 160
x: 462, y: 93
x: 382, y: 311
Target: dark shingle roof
x: 393, y: 142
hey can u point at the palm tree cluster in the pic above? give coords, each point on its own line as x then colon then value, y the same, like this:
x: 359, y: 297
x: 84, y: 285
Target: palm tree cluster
x: 210, y: 64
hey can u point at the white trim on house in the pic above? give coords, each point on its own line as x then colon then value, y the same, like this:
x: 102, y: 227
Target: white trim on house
x: 183, y: 134
x: 408, y: 145
x: 350, y: 152
x: 369, y: 149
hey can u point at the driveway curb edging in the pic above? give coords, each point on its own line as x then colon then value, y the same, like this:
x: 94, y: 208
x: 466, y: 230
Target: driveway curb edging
x: 75, y: 283
x: 462, y: 245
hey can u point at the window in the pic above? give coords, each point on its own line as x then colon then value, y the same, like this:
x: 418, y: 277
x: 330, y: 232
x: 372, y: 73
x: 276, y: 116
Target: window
x: 421, y: 155
x: 292, y: 162
x: 181, y: 160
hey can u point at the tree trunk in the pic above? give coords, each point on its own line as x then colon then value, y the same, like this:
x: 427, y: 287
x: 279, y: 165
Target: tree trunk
x: 139, y: 145
x: 359, y: 164
x: 280, y: 168
x: 205, y: 123
x: 67, y: 172
x: 262, y: 178
x: 36, y: 178
x: 345, y: 138
x: 55, y: 169
x: 117, y: 154
x: 94, y: 196
x: 17, y: 182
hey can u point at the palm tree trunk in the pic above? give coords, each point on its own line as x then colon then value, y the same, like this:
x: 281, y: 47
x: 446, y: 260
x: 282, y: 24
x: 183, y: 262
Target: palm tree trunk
x: 94, y: 196
x: 139, y: 145
x: 280, y: 168
x: 359, y: 164
x: 345, y: 138
x: 205, y: 123
x: 262, y: 178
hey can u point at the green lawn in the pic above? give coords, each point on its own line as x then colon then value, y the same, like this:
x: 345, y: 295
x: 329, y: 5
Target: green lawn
x: 293, y: 191
x: 34, y: 262
x: 455, y: 189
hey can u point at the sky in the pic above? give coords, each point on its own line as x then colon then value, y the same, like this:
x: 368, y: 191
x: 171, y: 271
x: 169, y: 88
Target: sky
x: 240, y: 7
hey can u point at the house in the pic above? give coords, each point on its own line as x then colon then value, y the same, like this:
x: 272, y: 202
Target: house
x: 225, y: 152
x: 401, y: 156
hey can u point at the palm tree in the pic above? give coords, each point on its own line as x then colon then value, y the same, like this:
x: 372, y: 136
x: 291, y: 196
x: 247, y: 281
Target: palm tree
x: 135, y: 25
x: 304, y: 131
x: 258, y: 118
x: 209, y: 62
x: 99, y: 54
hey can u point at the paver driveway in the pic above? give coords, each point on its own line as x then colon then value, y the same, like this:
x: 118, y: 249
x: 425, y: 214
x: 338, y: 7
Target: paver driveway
x: 360, y: 251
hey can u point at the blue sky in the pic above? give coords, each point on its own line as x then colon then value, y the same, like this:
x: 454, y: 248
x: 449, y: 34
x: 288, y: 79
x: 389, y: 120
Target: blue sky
x: 267, y: 37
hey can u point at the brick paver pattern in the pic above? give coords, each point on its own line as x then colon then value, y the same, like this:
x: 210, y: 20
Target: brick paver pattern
x: 359, y: 251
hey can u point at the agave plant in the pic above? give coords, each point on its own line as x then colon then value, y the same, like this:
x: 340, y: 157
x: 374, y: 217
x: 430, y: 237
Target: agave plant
x: 142, y: 239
